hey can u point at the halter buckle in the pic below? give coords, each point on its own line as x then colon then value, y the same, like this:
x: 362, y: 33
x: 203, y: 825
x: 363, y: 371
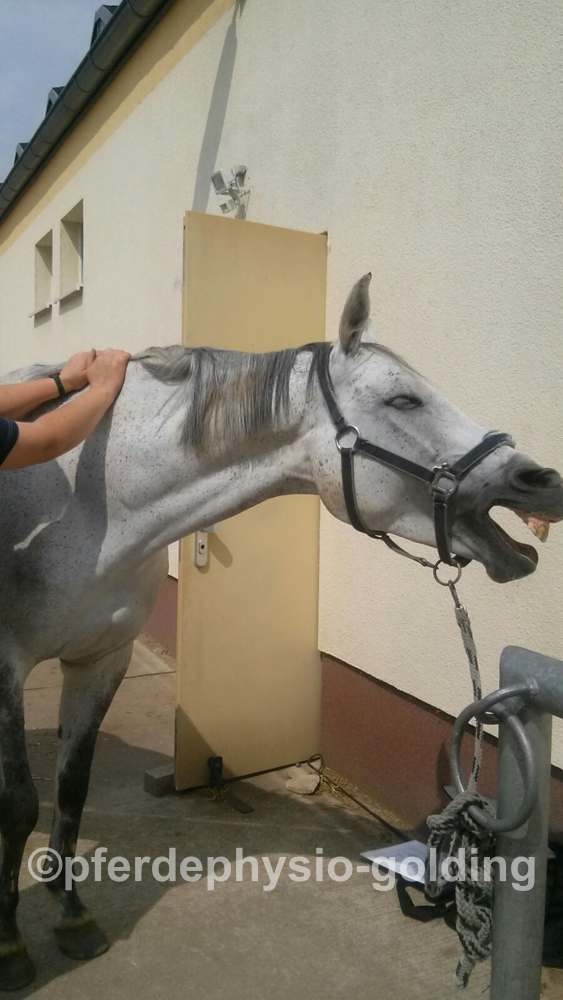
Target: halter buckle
x: 348, y: 429
x: 444, y: 482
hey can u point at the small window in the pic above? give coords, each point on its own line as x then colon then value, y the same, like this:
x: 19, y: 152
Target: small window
x: 43, y: 273
x: 72, y: 252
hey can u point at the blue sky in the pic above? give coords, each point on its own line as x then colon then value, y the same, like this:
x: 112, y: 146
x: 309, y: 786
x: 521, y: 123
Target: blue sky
x: 41, y: 44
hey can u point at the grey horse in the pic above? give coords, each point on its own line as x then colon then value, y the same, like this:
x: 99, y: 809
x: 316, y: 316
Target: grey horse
x: 196, y: 436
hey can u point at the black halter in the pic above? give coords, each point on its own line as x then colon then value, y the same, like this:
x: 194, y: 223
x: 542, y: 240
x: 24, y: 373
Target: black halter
x: 443, y: 480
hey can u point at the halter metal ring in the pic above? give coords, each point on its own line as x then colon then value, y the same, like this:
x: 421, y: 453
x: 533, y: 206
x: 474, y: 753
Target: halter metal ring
x: 444, y: 482
x: 446, y: 583
x: 347, y: 430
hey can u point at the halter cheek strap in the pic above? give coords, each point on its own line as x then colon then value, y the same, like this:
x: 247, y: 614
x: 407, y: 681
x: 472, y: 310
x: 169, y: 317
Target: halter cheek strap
x: 443, y: 480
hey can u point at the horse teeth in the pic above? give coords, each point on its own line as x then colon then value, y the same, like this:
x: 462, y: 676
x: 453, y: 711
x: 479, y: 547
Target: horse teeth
x: 539, y: 527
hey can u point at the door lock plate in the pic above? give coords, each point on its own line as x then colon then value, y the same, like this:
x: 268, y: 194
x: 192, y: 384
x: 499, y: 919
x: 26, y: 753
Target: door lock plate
x: 201, y: 546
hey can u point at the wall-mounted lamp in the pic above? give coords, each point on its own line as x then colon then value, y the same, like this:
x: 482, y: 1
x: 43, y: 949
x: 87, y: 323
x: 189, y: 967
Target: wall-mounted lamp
x: 233, y: 191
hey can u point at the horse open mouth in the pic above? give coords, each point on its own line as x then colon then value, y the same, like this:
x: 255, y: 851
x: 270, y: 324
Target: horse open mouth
x: 504, y: 557
x: 520, y: 493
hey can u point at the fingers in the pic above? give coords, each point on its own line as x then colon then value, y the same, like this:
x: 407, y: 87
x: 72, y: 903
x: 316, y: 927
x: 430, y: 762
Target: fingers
x: 81, y: 359
x: 111, y: 352
x: 110, y: 358
x: 73, y: 373
x: 108, y: 369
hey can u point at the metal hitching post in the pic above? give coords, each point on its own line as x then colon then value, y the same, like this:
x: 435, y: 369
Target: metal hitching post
x: 519, y: 914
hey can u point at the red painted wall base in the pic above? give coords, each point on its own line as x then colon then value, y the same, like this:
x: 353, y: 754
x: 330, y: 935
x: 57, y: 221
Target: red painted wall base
x: 394, y: 748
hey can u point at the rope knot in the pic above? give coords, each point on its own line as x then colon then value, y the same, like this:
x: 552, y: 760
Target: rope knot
x: 459, y: 853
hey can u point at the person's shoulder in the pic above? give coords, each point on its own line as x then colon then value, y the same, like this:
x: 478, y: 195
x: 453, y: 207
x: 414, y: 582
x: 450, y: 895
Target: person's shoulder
x: 8, y: 436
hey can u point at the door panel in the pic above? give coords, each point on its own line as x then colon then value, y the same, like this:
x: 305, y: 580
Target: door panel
x: 248, y: 665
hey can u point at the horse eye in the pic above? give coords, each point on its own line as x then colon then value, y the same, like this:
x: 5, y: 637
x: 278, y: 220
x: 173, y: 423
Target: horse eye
x: 404, y: 402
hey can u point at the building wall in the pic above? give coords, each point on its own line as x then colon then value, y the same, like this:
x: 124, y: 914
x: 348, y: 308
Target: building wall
x: 395, y: 749
x: 426, y: 138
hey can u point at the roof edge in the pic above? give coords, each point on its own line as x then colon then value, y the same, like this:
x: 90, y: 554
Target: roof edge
x: 132, y: 19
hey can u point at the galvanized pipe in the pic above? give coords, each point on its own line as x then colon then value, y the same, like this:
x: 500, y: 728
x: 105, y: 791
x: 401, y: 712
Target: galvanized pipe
x: 518, y: 919
x: 543, y: 673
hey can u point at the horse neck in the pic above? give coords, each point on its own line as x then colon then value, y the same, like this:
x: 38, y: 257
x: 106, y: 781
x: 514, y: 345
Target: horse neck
x: 168, y: 489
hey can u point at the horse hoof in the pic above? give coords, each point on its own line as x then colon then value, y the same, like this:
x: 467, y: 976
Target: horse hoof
x: 16, y: 968
x: 81, y: 938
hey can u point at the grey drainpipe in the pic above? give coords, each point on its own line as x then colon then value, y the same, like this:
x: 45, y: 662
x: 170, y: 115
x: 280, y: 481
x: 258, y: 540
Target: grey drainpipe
x: 130, y: 21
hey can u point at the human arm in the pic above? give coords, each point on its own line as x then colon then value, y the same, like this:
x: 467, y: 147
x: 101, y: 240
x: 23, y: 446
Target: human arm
x: 62, y: 429
x: 23, y: 397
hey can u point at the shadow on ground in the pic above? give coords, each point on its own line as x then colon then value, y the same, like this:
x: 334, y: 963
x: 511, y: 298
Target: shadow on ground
x: 130, y: 823
x: 314, y: 940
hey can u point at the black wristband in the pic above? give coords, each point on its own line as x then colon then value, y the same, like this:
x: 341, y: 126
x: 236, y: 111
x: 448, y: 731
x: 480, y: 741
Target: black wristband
x: 59, y: 384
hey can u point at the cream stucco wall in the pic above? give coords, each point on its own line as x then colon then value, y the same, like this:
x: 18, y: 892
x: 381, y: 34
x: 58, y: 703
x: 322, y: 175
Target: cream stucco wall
x: 426, y: 137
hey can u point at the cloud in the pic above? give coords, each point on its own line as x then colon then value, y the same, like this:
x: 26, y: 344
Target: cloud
x: 41, y: 44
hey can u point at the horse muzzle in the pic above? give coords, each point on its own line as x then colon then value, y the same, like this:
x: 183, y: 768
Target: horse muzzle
x: 534, y: 494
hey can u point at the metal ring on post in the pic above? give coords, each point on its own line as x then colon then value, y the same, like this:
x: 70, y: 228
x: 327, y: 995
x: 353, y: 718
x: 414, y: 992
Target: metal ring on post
x: 477, y: 710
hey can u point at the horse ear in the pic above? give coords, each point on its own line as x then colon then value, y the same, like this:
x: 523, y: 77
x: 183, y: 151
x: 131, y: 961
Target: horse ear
x: 355, y: 315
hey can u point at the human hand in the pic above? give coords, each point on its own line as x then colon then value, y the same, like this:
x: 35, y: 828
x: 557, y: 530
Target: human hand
x: 73, y: 375
x: 107, y: 370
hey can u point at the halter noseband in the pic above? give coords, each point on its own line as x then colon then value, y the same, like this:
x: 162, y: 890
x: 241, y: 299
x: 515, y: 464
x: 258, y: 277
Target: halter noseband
x: 443, y: 480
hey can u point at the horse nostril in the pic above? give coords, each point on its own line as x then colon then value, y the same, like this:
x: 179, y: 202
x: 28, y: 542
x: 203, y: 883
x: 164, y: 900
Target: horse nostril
x: 532, y: 477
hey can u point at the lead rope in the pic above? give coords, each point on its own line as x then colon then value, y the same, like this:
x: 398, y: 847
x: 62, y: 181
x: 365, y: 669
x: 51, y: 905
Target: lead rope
x: 455, y: 837
x: 454, y: 832
x: 464, y: 625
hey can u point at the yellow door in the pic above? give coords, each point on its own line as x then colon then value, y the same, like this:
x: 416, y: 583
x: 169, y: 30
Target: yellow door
x: 248, y: 665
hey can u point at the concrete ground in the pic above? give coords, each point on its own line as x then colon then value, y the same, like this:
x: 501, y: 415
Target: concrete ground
x: 315, y: 940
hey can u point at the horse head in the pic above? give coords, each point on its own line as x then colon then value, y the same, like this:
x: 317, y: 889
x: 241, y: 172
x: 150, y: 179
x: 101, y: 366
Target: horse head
x: 425, y: 450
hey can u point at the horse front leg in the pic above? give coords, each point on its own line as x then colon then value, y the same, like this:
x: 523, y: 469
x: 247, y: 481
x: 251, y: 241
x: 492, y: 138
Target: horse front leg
x: 88, y: 689
x: 18, y: 816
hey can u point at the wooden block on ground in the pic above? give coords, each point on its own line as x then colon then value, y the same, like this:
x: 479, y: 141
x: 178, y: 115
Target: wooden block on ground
x: 159, y: 781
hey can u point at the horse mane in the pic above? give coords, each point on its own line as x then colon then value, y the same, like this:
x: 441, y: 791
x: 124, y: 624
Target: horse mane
x: 228, y: 395
x: 31, y: 372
